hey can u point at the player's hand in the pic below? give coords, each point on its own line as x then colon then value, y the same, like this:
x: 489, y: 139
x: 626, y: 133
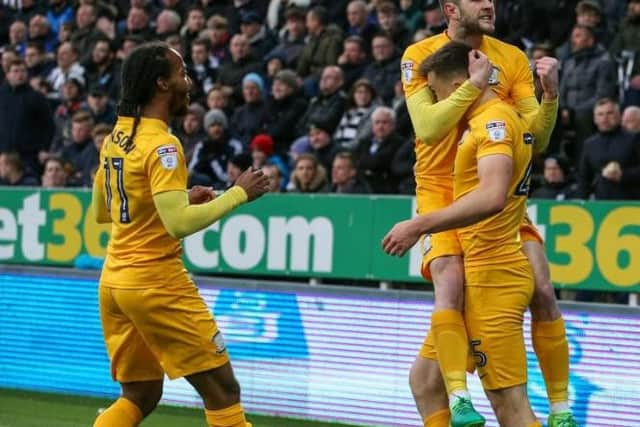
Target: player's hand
x: 200, y: 194
x: 253, y: 182
x: 401, y: 238
x: 547, y: 70
x: 480, y: 69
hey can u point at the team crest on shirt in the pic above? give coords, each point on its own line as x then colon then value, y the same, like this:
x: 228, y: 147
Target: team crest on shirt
x: 218, y: 341
x: 494, y: 77
x: 497, y: 130
x: 168, y: 156
x: 407, y: 71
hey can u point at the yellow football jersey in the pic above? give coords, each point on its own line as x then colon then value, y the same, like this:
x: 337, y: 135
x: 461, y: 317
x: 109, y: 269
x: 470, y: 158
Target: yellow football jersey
x: 511, y: 80
x: 494, y: 128
x: 141, y: 253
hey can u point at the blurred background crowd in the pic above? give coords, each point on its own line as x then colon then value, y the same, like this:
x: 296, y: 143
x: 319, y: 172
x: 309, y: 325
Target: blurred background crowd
x: 308, y: 90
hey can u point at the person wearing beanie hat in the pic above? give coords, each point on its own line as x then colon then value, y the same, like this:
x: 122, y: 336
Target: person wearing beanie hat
x: 247, y: 120
x: 263, y: 143
x: 190, y: 130
x: 288, y: 78
x: 208, y: 165
x: 262, y: 152
x: 255, y: 79
x: 215, y: 117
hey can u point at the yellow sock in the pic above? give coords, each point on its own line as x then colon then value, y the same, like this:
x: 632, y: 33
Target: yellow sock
x: 122, y: 413
x: 233, y: 416
x: 440, y: 418
x: 535, y: 424
x: 551, y: 347
x: 452, y: 346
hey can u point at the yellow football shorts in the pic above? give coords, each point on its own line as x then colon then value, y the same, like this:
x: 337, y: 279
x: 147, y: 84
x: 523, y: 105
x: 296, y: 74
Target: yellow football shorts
x: 495, y: 303
x: 151, y: 331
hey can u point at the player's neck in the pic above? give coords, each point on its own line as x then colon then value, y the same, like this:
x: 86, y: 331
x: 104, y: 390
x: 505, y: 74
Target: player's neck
x: 486, y: 96
x: 459, y: 34
x: 157, y: 110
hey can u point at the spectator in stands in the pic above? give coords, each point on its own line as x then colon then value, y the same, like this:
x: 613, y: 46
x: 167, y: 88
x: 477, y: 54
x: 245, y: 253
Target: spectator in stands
x: 219, y: 36
x: 203, y: 69
x: 137, y: 24
x: 235, y: 166
x: 102, y: 109
x: 18, y: 37
x: 329, y: 105
x: 80, y: 153
x: 321, y: 144
x: 402, y: 166
x: 248, y: 119
x: 275, y: 178
x: 631, y: 119
x: 54, y: 175
x: 374, y: 153
x: 71, y: 101
x: 391, y: 25
x: 356, y: 120
x: 344, y: 176
x: 261, y: 40
x: 12, y: 171
x: 411, y: 13
x: 588, y: 75
x: 557, y: 183
x: 308, y: 176
x: 210, y: 156
x: 360, y: 24
x: 99, y: 133
x: 628, y: 39
x: 383, y: 71
x: 129, y: 43
x: 26, y: 124
x: 322, y: 48
x: 432, y: 21
x: 167, y: 23
x: 610, y: 164
x: 262, y: 152
x: 588, y: 14
x: 86, y: 33
x: 284, y: 108
x: 9, y: 55
x: 291, y: 41
x: 40, y: 31
x: 107, y: 25
x: 241, y: 63
x: 38, y: 65
x: 60, y: 12
x: 195, y: 23
x: 67, y: 67
x: 218, y: 98
x: 103, y: 68
x: 353, y: 60
x: 190, y: 130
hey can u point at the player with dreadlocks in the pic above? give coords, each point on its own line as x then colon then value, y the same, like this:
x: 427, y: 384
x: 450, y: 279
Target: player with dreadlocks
x: 153, y: 318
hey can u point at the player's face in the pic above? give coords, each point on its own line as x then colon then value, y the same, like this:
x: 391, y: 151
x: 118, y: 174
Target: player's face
x: 179, y: 85
x: 477, y: 16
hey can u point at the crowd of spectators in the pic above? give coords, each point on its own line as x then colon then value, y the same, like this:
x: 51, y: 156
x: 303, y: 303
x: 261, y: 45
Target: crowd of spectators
x: 308, y: 89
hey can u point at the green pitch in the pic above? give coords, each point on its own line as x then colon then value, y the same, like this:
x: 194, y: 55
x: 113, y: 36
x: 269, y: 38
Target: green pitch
x: 27, y: 409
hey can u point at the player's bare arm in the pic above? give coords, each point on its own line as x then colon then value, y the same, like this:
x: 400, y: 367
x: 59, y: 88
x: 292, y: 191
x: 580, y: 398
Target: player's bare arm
x: 495, y: 173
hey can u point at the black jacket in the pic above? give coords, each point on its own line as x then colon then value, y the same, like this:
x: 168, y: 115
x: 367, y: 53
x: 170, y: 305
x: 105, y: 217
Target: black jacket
x: 281, y: 117
x: 602, y: 148
x: 26, y: 123
x: 375, y: 164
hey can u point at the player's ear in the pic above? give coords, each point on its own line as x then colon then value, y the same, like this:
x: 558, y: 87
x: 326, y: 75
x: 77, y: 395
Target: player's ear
x: 162, y: 84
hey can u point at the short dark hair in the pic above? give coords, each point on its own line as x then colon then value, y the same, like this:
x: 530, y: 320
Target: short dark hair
x: 14, y: 159
x: 587, y: 28
x: 321, y: 14
x: 202, y: 42
x: 18, y: 62
x: 450, y: 59
x: 346, y: 155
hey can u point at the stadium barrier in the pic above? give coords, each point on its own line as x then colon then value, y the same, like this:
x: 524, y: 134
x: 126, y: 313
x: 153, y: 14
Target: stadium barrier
x: 323, y: 353
x: 590, y: 245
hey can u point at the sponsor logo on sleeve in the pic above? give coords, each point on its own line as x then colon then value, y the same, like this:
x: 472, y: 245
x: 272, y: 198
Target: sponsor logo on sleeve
x: 494, y: 78
x: 168, y: 156
x: 407, y: 71
x: 497, y: 130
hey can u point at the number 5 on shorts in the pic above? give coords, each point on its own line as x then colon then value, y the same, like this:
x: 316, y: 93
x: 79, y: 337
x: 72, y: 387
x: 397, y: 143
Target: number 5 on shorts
x: 480, y: 357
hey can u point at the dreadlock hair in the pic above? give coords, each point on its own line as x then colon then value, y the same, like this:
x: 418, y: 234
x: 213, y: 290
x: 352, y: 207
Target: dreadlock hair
x: 140, y: 70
